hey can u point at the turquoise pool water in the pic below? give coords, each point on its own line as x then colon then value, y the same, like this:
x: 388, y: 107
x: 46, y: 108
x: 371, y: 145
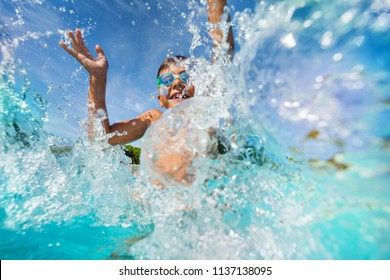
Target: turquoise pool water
x: 303, y: 111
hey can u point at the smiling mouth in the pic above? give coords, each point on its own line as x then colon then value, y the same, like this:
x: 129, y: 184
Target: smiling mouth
x: 179, y: 96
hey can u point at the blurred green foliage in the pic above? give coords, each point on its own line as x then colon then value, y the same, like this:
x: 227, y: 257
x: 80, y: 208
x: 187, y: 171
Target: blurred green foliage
x: 133, y: 153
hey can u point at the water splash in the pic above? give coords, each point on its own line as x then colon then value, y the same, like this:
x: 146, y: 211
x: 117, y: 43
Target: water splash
x: 300, y: 120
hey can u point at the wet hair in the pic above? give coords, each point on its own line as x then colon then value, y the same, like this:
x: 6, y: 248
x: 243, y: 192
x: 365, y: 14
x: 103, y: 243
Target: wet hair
x: 169, y: 62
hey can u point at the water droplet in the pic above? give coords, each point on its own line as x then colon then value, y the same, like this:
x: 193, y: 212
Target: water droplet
x: 288, y: 41
x: 337, y: 56
x: 317, y: 15
x: 327, y: 39
x: 358, y: 40
x: 319, y: 79
x: 307, y: 23
x: 347, y: 17
x: 100, y: 112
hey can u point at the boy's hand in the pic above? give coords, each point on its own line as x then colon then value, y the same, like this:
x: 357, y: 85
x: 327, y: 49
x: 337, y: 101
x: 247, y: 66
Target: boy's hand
x: 98, y: 66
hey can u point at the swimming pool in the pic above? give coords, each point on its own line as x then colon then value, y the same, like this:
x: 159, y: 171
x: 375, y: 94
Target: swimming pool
x: 306, y: 173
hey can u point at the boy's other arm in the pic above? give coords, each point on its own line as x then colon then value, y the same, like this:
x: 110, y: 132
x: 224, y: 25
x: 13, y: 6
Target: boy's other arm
x: 133, y: 129
x: 215, y: 10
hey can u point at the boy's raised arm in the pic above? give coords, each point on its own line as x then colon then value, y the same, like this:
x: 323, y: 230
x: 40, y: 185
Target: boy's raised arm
x: 98, y: 68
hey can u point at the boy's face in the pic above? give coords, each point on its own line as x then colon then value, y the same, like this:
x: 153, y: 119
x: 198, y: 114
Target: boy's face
x: 177, y: 91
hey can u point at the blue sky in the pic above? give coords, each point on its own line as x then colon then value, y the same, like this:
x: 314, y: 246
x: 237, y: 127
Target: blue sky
x: 135, y: 35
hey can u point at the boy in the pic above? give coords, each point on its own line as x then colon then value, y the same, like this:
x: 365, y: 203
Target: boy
x: 171, y: 76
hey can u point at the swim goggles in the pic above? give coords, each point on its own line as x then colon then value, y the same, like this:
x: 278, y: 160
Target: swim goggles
x: 167, y: 79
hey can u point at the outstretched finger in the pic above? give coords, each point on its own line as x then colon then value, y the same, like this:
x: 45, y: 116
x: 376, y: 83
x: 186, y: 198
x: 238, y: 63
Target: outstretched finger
x: 72, y: 39
x: 69, y: 50
x: 80, y: 39
x: 99, y: 51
